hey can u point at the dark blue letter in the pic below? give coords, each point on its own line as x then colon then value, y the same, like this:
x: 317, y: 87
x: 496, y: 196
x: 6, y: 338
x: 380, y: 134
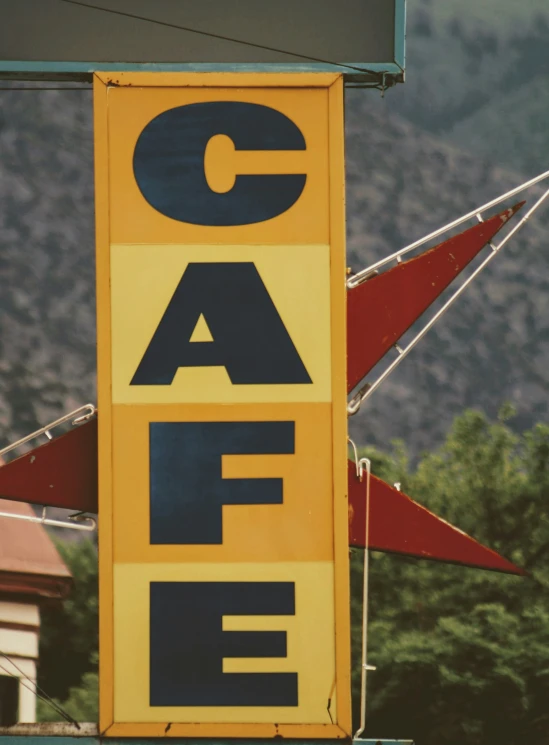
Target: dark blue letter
x: 249, y: 338
x: 187, y: 490
x: 168, y: 163
x: 188, y: 644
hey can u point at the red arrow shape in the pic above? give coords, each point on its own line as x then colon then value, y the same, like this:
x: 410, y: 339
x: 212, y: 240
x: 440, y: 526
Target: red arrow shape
x: 401, y: 526
x: 63, y: 473
x: 60, y: 473
x: 382, y: 309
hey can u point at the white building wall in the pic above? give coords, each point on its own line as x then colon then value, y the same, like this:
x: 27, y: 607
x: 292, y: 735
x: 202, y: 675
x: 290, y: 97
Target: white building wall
x: 27, y: 698
x: 20, y: 645
x: 18, y: 642
x: 19, y: 613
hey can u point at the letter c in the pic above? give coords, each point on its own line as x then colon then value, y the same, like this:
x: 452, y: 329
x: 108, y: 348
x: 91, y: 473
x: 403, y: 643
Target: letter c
x: 168, y: 163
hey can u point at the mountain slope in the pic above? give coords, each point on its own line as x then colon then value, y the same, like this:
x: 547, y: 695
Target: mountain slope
x: 47, y: 295
x: 511, y: 128
x: 465, y: 56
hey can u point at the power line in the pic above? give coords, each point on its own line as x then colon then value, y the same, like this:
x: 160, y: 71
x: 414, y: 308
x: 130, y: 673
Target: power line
x: 219, y: 36
x: 37, y: 691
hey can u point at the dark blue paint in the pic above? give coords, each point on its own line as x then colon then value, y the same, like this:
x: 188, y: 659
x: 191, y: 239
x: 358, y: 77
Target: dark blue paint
x: 187, y: 491
x: 187, y: 644
x: 168, y: 163
x: 249, y: 337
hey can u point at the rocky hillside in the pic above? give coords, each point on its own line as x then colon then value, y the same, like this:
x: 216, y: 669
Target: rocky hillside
x: 47, y: 295
x: 467, y: 125
x: 493, y: 345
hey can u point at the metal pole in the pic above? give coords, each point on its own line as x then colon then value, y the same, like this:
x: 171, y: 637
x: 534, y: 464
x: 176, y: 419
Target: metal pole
x: 84, y: 522
x: 365, y: 667
x: 78, y: 416
x: 356, y: 402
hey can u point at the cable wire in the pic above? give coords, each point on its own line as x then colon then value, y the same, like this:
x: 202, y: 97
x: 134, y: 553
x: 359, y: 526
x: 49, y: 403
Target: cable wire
x: 221, y: 37
x: 37, y: 691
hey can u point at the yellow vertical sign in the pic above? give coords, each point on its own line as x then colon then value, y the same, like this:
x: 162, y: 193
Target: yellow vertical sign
x: 224, y: 602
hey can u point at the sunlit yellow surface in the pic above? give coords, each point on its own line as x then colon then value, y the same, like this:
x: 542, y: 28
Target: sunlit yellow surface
x: 133, y: 220
x: 143, y: 280
x: 300, y: 529
x: 300, y: 255
x: 310, y: 640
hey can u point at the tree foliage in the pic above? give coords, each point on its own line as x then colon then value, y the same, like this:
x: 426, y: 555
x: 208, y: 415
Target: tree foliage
x: 82, y: 703
x: 69, y: 638
x: 463, y: 654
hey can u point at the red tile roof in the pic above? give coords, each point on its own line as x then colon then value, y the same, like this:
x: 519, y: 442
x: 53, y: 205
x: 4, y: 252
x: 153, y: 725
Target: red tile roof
x: 26, y: 547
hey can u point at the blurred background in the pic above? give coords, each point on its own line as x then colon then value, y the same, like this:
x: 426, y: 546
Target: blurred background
x: 462, y: 656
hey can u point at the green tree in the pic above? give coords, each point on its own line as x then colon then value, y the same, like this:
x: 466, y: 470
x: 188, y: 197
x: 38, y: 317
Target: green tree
x: 463, y: 654
x: 82, y: 703
x: 69, y: 638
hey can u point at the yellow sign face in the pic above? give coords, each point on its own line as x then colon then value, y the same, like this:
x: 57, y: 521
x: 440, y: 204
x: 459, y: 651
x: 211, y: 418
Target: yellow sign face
x: 144, y: 280
x: 224, y: 600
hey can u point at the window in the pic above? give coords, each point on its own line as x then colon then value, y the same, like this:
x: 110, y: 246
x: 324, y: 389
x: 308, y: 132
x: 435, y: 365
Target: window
x: 9, y: 700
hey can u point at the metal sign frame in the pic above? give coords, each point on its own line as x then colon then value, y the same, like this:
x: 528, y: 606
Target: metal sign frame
x: 330, y: 89
x: 70, y: 22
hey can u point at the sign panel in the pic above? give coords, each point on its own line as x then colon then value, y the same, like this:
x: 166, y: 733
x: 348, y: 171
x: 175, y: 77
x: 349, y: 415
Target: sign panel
x: 222, y: 435
x: 68, y: 40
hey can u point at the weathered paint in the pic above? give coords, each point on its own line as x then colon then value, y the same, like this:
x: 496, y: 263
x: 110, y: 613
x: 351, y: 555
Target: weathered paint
x: 182, y: 297
x: 45, y: 739
x: 390, y: 529
x: 59, y: 473
x: 400, y: 525
x: 43, y: 734
x: 382, y: 309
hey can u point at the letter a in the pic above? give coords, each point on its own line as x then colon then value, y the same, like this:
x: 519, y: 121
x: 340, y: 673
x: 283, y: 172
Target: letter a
x: 249, y: 337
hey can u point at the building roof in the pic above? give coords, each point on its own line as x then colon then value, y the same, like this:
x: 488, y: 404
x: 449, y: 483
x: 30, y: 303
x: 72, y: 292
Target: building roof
x: 29, y: 561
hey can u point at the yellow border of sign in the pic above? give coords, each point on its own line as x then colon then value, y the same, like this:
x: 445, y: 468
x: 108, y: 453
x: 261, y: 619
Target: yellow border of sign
x: 339, y: 403
x: 219, y: 79
x: 104, y: 403
x: 334, y: 83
